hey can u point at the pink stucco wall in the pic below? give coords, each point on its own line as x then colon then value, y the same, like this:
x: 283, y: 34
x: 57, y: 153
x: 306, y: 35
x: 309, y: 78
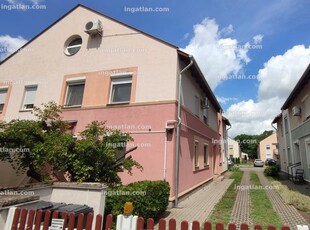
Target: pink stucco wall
x: 192, y: 129
x: 146, y: 123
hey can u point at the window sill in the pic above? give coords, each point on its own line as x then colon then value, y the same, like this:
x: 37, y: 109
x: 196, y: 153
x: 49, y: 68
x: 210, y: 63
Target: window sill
x: 119, y: 103
x: 25, y: 110
x: 197, y: 170
x: 71, y: 107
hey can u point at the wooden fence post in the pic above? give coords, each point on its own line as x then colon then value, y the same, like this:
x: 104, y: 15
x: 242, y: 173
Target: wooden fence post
x: 172, y: 224
x: 207, y: 225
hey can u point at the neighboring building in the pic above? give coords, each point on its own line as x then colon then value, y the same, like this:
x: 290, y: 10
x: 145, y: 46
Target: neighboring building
x: 129, y: 79
x: 267, y: 148
x: 234, y: 150
x: 244, y: 156
x: 293, y: 128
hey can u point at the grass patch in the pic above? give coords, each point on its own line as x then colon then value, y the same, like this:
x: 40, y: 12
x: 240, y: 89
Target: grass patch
x: 261, y: 208
x: 223, y: 209
x: 299, y: 201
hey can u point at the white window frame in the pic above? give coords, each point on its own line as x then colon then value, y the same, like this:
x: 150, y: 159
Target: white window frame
x: 205, y: 154
x: 197, y: 106
x: 196, y: 154
x: 5, y: 91
x: 27, y: 87
x: 307, y: 148
x: 305, y: 115
x: 71, y: 82
x: 70, y: 40
x: 125, y: 77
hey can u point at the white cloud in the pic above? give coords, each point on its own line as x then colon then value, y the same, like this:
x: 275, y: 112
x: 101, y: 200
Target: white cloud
x: 224, y: 100
x: 258, y: 39
x: 9, y: 45
x: 276, y: 80
x: 227, y: 30
x: 210, y: 49
x: 282, y: 72
x: 186, y: 36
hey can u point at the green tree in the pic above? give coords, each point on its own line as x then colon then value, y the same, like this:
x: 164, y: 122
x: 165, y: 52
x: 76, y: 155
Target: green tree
x: 249, y: 143
x: 44, y: 149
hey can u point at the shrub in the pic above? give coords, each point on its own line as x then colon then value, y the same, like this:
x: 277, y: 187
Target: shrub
x: 272, y: 170
x: 234, y: 169
x: 150, y: 198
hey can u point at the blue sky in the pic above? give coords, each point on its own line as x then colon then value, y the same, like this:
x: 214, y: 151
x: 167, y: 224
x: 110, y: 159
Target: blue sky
x: 267, y: 41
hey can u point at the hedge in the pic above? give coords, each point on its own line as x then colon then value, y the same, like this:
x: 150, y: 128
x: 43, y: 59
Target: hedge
x: 272, y: 171
x: 150, y: 198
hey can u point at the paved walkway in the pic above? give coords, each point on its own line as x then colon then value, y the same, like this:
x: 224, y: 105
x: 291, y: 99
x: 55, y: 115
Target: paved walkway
x: 241, y: 209
x: 199, y: 205
x: 288, y: 213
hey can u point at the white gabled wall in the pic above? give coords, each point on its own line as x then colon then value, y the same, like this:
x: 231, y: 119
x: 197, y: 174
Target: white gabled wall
x: 45, y: 63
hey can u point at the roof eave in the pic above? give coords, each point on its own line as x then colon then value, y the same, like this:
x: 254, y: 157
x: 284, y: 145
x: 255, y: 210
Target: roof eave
x: 207, y: 88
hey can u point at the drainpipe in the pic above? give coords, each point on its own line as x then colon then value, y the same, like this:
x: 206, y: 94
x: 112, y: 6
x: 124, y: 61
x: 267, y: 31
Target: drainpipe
x: 274, y: 127
x: 177, y: 145
x: 167, y: 128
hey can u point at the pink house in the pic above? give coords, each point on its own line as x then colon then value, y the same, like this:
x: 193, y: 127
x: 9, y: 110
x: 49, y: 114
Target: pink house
x: 101, y: 69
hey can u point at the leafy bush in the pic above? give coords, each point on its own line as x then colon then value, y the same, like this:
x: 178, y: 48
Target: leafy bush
x: 150, y: 198
x: 272, y: 170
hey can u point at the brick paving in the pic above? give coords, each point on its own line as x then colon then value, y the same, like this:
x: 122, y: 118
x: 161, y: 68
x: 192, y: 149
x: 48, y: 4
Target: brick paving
x: 288, y: 213
x: 199, y: 205
x: 241, y: 209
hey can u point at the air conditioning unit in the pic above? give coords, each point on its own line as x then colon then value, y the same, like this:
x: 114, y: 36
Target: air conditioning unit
x: 205, y: 103
x: 296, y: 111
x: 93, y: 28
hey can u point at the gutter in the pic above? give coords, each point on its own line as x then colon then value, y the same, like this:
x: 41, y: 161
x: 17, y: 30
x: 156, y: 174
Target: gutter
x: 177, y: 145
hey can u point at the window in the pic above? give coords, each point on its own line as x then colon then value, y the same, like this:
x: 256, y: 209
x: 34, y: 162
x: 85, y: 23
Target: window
x: 307, y: 142
x: 120, y: 89
x: 196, y: 154
x: 231, y: 147
x: 305, y: 108
x: 205, y: 116
x: 75, y: 92
x: 205, y: 154
x: 285, y: 125
x: 197, y: 106
x: 29, y: 97
x: 73, y: 45
x: 3, y: 93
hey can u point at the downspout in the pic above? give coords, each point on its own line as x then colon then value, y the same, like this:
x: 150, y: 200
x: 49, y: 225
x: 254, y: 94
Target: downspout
x: 274, y: 127
x: 167, y: 128
x: 177, y: 145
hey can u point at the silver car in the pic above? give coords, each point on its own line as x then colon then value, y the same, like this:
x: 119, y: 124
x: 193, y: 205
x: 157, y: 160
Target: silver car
x: 258, y: 163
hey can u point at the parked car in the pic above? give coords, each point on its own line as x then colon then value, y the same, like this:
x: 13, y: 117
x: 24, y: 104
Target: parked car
x: 258, y: 163
x: 230, y: 162
x: 270, y: 162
